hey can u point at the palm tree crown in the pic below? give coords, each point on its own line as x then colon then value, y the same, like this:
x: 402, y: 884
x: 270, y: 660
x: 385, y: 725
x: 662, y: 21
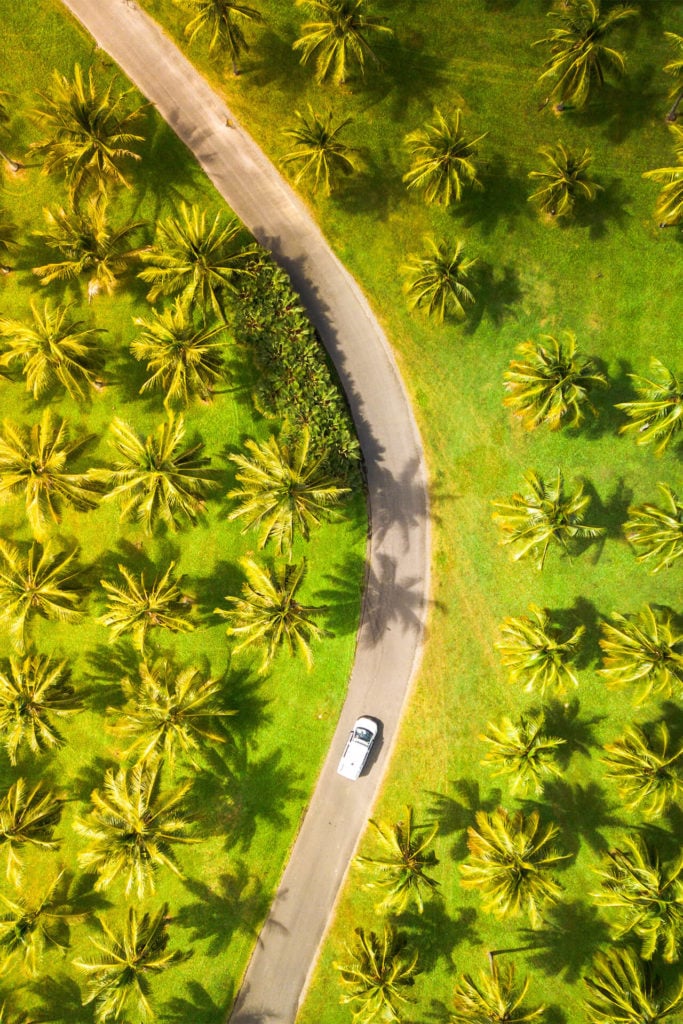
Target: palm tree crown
x: 648, y: 775
x: 27, y: 818
x: 495, y: 998
x: 35, y: 462
x: 89, y: 246
x: 168, y: 711
x: 551, y: 382
x: 437, y: 279
x: 564, y: 181
x: 621, y: 989
x: 195, y: 261
x: 336, y: 41
x: 268, y: 614
x: 644, y: 651
x: 522, y: 751
x: 669, y: 205
x: 646, y: 896
x: 375, y: 975
x: 580, y: 57
x: 32, y: 693
x: 222, y: 19
x: 90, y: 132
x: 282, y: 491
x: 656, y: 532
x: 118, y: 975
x: 542, y: 515
x: 441, y: 159
x: 42, y: 582
x: 509, y: 863
x: 184, y: 359
x: 54, y: 349
x: 319, y: 149
x: 537, y: 653
x: 30, y: 925
x: 674, y: 67
x: 657, y: 414
x: 156, y: 479
x: 132, y: 828
x: 400, y: 867
x: 135, y: 607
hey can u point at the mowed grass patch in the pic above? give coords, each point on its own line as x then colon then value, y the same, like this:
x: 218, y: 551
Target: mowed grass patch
x: 249, y: 796
x: 611, y: 277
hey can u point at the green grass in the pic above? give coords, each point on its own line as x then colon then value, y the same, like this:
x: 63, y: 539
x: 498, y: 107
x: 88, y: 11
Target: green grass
x: 250, y: 798
x: 610, y: 276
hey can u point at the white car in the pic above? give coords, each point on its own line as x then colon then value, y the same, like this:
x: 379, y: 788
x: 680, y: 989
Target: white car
x: 357, y: 748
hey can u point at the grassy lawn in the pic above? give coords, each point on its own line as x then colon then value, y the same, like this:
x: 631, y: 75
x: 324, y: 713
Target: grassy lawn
x: 610, y: 276
x: 249, y: 798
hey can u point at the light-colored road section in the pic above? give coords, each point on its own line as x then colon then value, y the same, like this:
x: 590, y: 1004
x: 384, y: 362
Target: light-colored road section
x: 397, y: 583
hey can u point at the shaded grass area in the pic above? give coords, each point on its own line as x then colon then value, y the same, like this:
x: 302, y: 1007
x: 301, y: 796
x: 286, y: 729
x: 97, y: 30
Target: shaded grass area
x: 249, y: 795
x: 611, y: 277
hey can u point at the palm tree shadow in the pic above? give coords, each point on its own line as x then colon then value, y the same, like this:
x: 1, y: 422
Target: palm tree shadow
x: 611, y: 513
x: 90, y: 777
x: 495, y: 297
x: 343, y: 593
x: 274, y: 63
x: 609, y: 207
x: 456, y: 814
x: 562, y: 720
x: 556, y: 952
x: 502, y: 197
x: 61, y: 1000
x: 372, y: 191
x: 108, y: 665
x: 580, y: 811
x: 199, y: 1008
x: 584, y: 613
x: 162, y: 149
x: 609, y: 418
x: 389, y: 600
x: 236, y: 902
x: 406, y: 72
x: 438, y: 934
x: 226, y: 579
x: 621, y: 109
x: 401, y: 501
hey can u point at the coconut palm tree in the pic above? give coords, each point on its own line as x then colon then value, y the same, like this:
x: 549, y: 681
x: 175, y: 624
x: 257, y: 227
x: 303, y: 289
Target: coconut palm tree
x: 648, y: 775
x: 319, y: 150
x: 564, y: 181
x: 336, y: 40
x: 195, y: 261
x: 657, y: 414
x: 551, y: 382
x: 89, y: 245
x: 5, y: 118
x: 402, y: 862
x: 522, y: 751
x: 132, y: 828
x: 157, y: 480
x: 510, y: 859
x: 268, y: 616
x: 656, y: 532
x: 184, y: 359
x: 442, y: 159
x: 644, y: 651
x: 495, y: 998
x: 436, y: 279
x: 118, y: 976
x: 31, y: 924
x: 42, y: 582
x: 33, y: 692
x: 223, y: 20
x: 675, y: 67
x: 89, y: 132
x: 170, y: 711
x: 134, y: 607
x: 622, y: 988
x: 537, y: 653
x: 375, y: 975
x: 34, y: 462
x: 646, y: 895
x: 283, y: 492
x: 669, y: 205
x: 27, y: 818
x: 580, y: 57
x: 53, y: 350
x: 8, y: 239
x: 541, y: 515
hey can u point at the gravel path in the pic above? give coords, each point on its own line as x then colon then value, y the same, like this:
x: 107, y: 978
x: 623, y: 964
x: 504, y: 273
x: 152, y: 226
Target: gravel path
x: 397, y: 583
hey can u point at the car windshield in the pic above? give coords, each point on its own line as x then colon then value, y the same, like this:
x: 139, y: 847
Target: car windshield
x: 364, y: 735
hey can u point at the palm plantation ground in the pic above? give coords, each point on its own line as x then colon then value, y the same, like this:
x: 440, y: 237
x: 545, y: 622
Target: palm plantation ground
x: 236, y: 766
x: 608, y: 275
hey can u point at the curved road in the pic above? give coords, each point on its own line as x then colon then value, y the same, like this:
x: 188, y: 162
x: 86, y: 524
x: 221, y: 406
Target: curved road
x: 397, y: 577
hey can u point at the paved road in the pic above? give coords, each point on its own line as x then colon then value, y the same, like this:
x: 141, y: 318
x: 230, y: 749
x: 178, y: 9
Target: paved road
x: 397, y: 583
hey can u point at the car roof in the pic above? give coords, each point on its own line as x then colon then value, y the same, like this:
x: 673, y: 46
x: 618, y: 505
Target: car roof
x: 366, y: 723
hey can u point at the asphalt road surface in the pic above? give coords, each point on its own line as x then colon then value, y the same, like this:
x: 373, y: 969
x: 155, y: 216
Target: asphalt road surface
x: 397, y: 577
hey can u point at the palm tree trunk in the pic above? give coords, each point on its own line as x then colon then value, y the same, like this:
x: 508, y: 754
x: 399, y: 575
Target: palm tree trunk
x: 13, y: 165
x: 673, y: 113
